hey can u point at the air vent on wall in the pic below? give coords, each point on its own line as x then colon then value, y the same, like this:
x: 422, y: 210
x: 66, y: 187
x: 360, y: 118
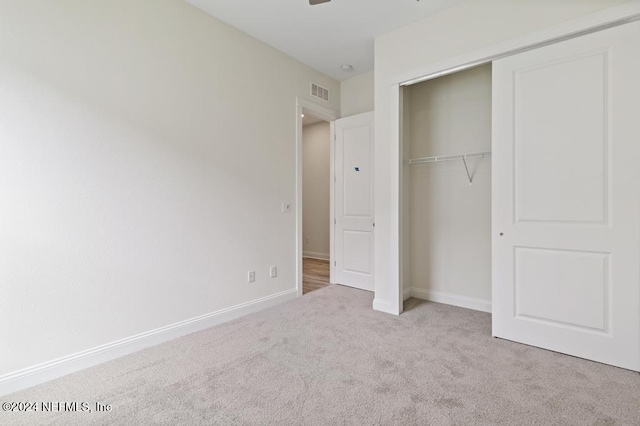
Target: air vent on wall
x: 319, y: 92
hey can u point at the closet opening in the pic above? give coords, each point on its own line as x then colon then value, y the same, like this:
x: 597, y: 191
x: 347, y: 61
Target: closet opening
x: 560, y: 267
x: 446, y: 189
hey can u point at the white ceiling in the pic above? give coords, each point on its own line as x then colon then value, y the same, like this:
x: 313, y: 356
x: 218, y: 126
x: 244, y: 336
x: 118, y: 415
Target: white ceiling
x: 325, y: 36
x: 310, y: 119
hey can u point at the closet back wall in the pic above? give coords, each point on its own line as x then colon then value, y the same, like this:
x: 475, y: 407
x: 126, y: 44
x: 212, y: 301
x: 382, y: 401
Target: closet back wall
x: 447, y: 251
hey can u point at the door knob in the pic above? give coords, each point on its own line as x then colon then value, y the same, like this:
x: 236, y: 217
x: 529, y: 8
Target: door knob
x: 502, y: 234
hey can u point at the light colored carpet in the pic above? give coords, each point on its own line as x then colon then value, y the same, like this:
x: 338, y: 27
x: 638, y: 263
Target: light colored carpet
x: 328, y: 358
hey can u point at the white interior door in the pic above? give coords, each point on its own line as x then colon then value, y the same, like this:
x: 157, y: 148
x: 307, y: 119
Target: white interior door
x: 566, y: 197
x: 354, y: 221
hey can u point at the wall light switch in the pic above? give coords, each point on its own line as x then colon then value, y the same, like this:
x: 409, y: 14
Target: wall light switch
x: 286, y: 207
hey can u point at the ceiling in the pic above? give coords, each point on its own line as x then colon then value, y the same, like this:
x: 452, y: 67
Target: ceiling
x: 325, y: 36
x: 310, y: 119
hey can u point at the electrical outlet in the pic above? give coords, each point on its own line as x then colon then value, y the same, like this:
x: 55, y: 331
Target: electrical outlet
x: 306, y: 240
x: 273, y: 271
x: 251, y: 276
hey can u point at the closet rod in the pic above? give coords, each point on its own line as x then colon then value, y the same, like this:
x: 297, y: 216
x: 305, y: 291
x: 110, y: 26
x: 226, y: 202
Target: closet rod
x: 422, y: 160
x: 462, y: 157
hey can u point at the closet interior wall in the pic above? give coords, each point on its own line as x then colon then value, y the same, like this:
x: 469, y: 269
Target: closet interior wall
x: 446, y: 252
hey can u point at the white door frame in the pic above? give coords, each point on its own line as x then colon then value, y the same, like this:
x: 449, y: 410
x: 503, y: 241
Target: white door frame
x: 598, y: 21
x: 305, y: 106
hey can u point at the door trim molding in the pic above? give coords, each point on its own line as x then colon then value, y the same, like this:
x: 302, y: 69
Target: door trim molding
x: 302, y: 106
x: 614, y: 16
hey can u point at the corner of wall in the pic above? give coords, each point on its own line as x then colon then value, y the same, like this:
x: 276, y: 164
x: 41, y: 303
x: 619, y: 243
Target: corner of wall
x: 357, y: 94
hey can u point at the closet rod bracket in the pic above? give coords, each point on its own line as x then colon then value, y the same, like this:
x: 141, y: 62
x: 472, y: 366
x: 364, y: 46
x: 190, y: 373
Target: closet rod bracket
x: 464, y: 160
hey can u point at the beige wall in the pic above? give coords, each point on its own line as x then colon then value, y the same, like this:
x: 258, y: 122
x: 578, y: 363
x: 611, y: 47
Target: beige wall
x: 356, y: 94
x: 461, y: 29
x: 316, y: 189
x: 146, y: 149
x: 449, y: 226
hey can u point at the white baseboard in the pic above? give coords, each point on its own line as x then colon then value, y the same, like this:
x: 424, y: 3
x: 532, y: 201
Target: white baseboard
x: 406, y: 293
x: 50, y: 370
x: 385, y: 306
x: 449, y: 299
x: 315, y: 255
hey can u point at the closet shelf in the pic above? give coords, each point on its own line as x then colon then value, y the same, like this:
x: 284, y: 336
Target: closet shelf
x: 462, y: 157
x: 422, y: 160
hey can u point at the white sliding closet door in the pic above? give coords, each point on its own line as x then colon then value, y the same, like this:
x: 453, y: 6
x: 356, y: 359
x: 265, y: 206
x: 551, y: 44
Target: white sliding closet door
x: 566, y: 197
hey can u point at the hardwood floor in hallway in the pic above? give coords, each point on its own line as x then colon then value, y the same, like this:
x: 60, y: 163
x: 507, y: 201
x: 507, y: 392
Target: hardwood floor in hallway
x: 315, y: 274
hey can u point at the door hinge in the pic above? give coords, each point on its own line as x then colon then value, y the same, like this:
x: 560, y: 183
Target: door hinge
x: 335, y: 221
